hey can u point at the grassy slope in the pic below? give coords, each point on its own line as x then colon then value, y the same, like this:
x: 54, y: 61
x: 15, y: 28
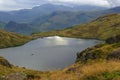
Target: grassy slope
x: 7, y: 69
x: 8, y: 39
x: 101, y: 28
x: 107, y: 70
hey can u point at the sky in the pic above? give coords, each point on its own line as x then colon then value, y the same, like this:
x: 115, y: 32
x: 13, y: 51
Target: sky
x: 7, y: 5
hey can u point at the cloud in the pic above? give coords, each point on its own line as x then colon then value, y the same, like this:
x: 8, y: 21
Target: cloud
x: 21, y: 4
x: 7, y: 5
x: 114, y: 3
x: 82, y: 2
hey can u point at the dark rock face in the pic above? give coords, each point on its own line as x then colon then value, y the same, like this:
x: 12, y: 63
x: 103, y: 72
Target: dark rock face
x: 113, y: 40
x: 114, y: 55
x: 89, y: 54
x: 4, y: 62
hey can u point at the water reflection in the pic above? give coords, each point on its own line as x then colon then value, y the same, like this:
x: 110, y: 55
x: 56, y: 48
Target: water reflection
x: 56, y: 40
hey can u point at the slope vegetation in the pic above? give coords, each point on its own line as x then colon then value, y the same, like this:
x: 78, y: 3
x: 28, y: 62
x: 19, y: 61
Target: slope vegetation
x: 11, y: 72
x: 101, y: 28
x: 9, y: 39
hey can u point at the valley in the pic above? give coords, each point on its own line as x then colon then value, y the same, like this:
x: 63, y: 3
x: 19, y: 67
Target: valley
x: 93, y: 57
x: 57, y: 42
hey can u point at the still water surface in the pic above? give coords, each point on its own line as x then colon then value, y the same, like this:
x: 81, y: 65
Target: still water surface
x: 49, y: 53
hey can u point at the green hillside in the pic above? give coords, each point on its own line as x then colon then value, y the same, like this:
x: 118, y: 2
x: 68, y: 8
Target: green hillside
x: 63, y: 19
x: 9, y: 39
x: 19, y: 28
x: 101, y: 28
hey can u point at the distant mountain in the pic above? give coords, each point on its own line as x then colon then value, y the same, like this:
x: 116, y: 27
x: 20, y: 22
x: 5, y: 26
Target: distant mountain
x: 2, y: 25
x: 5, y: 16
x: 51, y: 17
x: 113, y: 10
x: 20, y: 28
x: 63, y: 19
x: 53, y: 7
x: 27, y: 15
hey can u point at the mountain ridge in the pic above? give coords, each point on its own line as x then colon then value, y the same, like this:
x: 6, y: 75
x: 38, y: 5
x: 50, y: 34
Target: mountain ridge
x: 55, y: 19
x: 36, y: 12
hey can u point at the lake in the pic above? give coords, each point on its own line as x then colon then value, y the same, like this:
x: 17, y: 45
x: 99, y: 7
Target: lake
x: 48, y: 53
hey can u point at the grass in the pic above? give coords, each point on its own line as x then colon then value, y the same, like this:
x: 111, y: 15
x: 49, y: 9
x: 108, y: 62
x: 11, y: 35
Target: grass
x: 6, y: 69
x: 101, y: 28
x: 103, y: 70
x: 9, y: 39
x: 93, y: 71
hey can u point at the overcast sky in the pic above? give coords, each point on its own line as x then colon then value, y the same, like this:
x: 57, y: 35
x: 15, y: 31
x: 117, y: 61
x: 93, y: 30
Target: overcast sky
x: 23, y: 4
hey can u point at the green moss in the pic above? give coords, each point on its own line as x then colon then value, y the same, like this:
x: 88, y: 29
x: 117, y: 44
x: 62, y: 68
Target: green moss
x: 112, y: 75
x: 105, y: 76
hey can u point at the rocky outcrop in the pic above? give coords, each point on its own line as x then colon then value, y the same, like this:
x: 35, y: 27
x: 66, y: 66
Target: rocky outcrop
x: 4, y: 62
x: 15, y: 76
x: 113, y: 39
x: 89, y: 54
x: 114, y: 55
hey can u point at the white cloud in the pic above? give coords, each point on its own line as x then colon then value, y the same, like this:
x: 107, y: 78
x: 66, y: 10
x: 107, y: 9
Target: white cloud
x: 1, y: 1
x: 20, y: 4
x: 83, y: 2
x: 7, y: 5
x: 114, y: 3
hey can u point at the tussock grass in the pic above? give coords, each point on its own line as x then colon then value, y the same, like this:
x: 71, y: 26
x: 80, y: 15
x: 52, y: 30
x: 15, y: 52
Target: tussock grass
x: 104, y: 70
x: 98, y: 70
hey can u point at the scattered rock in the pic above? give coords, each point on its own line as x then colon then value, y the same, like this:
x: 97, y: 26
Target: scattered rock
x: 113, y: 39
x: 89, y: 54
x: 114, y: 55
x: 15, y: 76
